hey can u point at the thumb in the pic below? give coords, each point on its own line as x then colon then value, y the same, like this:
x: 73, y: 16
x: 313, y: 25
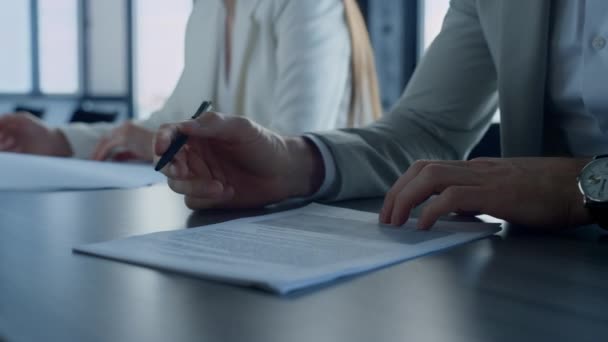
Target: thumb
x: 219, y: 126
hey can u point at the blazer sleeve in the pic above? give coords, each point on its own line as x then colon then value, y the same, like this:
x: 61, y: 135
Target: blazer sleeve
x: 445, y: 109
x: 313, y: 60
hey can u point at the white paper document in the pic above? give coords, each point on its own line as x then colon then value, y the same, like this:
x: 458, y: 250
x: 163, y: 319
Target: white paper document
x: 22, y: 172
x: 289, y: 250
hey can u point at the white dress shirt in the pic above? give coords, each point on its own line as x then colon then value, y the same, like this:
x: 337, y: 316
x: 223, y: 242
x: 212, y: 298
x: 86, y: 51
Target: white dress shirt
x: 289, y: 71
x: 578, y: 68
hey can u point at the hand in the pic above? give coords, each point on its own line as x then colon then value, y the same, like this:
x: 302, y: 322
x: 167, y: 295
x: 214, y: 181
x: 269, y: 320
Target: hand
x: 538, y: 192
x: 24, y: 133
x: 126, y: 142
x: 230, y: 161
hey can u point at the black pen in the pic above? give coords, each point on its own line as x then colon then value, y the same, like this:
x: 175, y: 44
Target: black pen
x: 180, y: 139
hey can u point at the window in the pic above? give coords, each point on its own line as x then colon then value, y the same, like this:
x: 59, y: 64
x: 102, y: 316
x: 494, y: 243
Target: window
x: 58, y: 46
x: 56, y: 35
x: 160, y: 27
x: 126, y: 53
x: 107, y: 48
x: 15, y: 63
x: 433, y: 12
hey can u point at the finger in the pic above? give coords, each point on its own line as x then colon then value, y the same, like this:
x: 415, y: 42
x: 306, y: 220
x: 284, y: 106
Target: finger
x: 124, y: 156
x: 220, y: 126
x: 198, y: 157
x: 484, y: 162
x: 8, y: 144
x: 453, y: 199
x: 164, y: 137
x: 214, y: 165
x: 6, y: 131
x: 432, y: 179
x: 3, y: 137
x: 413, y: 171
x: 106, y: 146
x: 389, y: 198
x: 203, y: 125
x: 98, y: 147
x: 207, y: 188
x: 196, y: 203
x: 179, y: 168
x: 6, y: 118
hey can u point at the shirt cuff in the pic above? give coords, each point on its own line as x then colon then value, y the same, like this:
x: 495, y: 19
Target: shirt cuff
x: 329, y: 164
x: 84, y: 137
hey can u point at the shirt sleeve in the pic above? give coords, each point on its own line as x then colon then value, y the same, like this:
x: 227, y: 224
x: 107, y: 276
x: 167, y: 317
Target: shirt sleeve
x: 329, y: 165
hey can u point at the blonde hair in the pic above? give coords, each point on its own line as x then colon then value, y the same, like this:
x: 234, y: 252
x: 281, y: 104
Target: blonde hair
x: 365, y: 95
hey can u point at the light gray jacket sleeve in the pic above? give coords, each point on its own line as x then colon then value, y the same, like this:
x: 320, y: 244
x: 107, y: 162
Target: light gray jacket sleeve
x: 445, y: 109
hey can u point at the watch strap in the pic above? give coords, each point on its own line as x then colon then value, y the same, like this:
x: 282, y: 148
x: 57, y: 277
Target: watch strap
x: 599, y: 211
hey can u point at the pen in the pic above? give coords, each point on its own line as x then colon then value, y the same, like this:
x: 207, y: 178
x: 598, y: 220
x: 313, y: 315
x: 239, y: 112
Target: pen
x: 180, y: 139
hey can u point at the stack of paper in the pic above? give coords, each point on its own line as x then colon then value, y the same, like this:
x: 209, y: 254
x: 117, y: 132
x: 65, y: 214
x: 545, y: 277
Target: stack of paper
x: 39, y: 173
x: 289, y: 250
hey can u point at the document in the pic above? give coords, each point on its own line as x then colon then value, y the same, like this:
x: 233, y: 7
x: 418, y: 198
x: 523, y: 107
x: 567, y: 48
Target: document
x: 23, y: 172
x: 290, y: 250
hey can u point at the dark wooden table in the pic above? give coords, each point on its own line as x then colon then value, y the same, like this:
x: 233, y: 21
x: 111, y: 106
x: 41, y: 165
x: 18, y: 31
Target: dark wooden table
x: 514, y: 287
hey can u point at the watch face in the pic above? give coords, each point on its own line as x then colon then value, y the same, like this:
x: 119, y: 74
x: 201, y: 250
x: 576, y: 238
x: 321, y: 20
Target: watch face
x: 594, y: 180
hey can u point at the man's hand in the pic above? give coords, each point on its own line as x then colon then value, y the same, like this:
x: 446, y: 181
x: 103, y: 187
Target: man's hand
x: 24, y: 133
x: 230, y: 161
x: 529, y: 191
x: 126, y: 142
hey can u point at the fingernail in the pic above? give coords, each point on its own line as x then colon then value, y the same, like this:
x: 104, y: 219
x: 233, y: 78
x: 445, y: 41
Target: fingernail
x: 216, y: 188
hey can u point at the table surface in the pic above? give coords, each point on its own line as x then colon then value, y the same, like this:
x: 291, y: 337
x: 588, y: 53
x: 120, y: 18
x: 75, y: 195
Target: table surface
x: 519, y: 285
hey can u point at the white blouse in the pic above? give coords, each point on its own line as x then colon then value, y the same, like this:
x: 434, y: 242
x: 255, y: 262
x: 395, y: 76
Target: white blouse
x: 290, y: 68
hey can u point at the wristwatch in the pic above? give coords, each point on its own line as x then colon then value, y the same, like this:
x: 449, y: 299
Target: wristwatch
x: 593, y: 183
